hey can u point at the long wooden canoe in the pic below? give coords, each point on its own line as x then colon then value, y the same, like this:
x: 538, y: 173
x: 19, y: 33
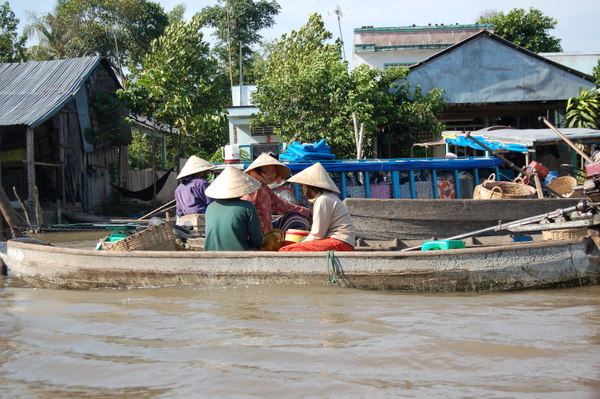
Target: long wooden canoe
x: 496, y: 268
x: 410, y: 219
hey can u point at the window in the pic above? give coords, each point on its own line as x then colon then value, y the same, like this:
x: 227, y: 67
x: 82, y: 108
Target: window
x: 398, y: 65
x: 262, y: 131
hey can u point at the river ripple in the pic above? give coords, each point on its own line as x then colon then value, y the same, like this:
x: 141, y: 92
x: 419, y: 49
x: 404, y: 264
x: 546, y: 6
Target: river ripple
x: 297, y: 342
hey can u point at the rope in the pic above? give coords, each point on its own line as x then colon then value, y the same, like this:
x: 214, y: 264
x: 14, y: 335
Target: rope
x: 330, y: 257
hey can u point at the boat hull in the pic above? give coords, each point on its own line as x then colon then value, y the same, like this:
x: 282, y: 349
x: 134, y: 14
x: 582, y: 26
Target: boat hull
x: 500, y: 268
x: 377, y: 219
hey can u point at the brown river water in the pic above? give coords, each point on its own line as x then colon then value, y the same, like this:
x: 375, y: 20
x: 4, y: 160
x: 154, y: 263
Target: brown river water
x: 297, y: 342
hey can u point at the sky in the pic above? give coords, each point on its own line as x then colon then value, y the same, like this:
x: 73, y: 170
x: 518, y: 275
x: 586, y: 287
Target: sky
x: 578, y: 20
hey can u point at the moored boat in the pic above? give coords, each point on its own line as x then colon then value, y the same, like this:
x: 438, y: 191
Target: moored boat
x: 492, y: 268
x: 405, y: 219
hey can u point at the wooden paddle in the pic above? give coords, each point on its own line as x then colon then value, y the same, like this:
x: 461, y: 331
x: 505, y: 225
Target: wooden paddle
x: 583, y: 206
x: 566, y: 139
x: 159, y: 209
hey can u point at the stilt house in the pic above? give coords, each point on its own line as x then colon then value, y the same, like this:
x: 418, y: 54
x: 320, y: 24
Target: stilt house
x: 62, y: 131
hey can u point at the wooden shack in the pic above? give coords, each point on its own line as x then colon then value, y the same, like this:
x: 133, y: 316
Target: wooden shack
x: 63, y: 135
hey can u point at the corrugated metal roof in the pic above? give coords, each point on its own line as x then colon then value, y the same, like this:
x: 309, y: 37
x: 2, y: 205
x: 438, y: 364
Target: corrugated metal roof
x: 532, y: 137
x: 486, y: 68
x: 32, y: 92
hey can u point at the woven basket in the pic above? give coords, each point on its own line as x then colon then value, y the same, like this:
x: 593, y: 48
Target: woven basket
x: 563, y: 185
x: 491, y: 189
x: 564, y: 234
x: 153, y: 238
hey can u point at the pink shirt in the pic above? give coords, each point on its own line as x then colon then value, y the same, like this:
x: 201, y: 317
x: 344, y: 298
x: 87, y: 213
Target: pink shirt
x: 266, y: 201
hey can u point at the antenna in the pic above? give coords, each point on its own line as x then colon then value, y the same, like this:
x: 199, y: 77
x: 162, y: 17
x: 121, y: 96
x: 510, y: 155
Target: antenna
x: 338, y: 12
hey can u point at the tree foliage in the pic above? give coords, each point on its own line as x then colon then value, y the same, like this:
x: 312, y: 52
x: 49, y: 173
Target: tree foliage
x: 302, y: 90
x: 180, y: 85
x: 12, y: 46
x: 596, y: 73
x: 306, y: 93
x: 238, y: 23
x: 53, y: 37
x: 584, y: 110
x: 120, y: 30
x: 526, y: 28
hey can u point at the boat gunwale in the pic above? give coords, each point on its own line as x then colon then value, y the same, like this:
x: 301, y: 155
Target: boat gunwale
x: 390, y: 254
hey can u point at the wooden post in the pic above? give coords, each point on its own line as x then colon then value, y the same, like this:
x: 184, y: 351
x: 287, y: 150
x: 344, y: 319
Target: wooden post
x: 30, y: 167
x: 538, y: 185
x: 62, y: 135
x: 58, y: 212
x: 7, y: 210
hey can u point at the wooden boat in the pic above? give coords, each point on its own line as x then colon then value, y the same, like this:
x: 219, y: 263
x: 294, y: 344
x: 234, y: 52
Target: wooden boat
x: 377, y: 219
x: 409, y: 219
x: 493, y: 268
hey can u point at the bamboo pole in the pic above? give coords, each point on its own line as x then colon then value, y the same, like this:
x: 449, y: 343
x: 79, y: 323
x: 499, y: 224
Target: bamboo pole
x: 509, y: 163
x: 566, y: 139
x: 158, y: 209
x: 583, y: 206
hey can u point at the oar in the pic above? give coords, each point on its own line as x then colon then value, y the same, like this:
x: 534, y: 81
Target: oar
x: 158, y: 209
x: 566, y: 139
x: 509, y: 163
x: 581, y: 206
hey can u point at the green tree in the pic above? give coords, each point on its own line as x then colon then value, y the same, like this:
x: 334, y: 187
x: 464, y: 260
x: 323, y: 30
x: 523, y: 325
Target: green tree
x: 596, y: 73
x: 181, y: 86
x: 237, y: 23
x: 303, y: 88
x: 120, y: 30
x: 12, y: 46
x: 306, y: 92
x: 53, y: 37
x: 176, y: 14
x: 394, y: 111
x: 584, y: 110
x: 526, y: 28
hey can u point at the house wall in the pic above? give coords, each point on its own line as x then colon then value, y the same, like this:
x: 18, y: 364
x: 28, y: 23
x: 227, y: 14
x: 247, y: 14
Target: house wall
x: 140, y: 179
x: 104, y: 165
x: 485, y: 70
x: 240, y: 132
x: 406, y: 45
x: 108, y: 122
x: 582, y: 62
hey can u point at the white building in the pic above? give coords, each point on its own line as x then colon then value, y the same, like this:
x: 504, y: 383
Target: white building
x: 582, y: 62
x: 255, y: 140
x: 406, y: 45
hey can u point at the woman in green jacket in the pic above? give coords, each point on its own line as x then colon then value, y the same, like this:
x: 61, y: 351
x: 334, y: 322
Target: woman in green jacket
x: 232, y: 224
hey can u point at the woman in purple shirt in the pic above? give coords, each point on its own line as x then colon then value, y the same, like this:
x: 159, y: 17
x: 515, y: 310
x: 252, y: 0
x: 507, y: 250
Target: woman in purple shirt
x: 189, y: 194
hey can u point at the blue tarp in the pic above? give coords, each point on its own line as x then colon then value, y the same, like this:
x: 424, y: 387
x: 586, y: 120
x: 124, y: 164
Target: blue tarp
x: 307, y: 152
x: 494, y: 145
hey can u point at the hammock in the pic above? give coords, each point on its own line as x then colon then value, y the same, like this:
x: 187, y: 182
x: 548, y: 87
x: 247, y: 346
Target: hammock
x: 147, y: 193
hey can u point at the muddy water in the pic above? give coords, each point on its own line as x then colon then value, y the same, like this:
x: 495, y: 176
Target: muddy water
x: 297, y: 342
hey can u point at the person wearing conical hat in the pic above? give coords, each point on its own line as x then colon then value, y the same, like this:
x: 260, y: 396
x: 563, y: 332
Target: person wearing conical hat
x: 232, y: 224
x: 268, y: 170
x: 190, y: 194
x: 332, y: 227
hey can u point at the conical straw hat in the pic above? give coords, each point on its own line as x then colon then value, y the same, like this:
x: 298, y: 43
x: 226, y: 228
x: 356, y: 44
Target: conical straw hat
x: 315, y: 176
x: 232, y: 183
x: 265, y: 159
x: 194, y: 165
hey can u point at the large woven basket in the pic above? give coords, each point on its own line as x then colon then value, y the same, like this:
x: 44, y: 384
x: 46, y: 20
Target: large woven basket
x: 153, y: 238
x: 564, y: 234
x: 491, y: 189
x: 564, y: 185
